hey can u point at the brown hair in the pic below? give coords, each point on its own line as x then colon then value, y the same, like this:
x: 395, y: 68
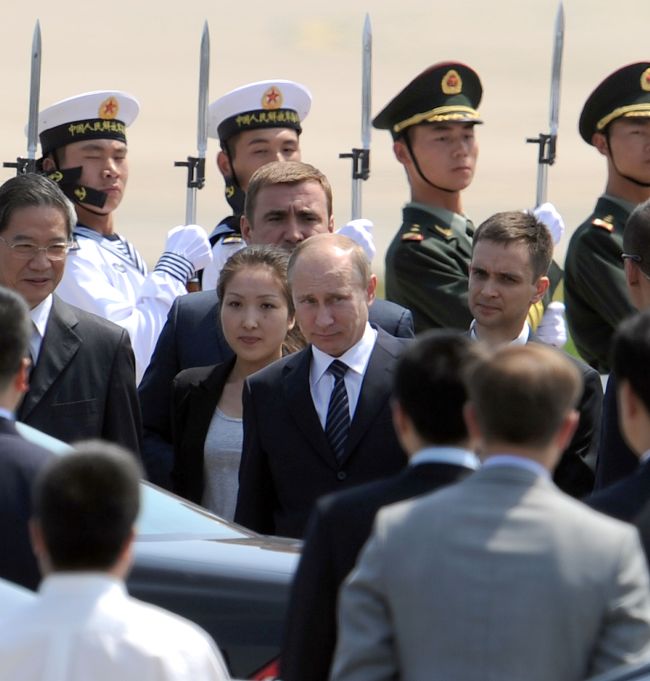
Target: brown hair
x: 276, y: 261
x: 522, y: 393
x: 515, y: 225
x: 284, y: 172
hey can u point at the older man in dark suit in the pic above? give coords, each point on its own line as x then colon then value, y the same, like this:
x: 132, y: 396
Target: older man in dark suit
x: 319, y: 420
x: 428, y: 399
x: 277, y: 214
x: 83, y: 381
x: 20, y: 460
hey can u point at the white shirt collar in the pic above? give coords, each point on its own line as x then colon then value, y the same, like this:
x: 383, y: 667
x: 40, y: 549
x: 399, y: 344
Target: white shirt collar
x: 40, y: 314
x: 355, y: 358
x: 6, y: 414
x: 644, y: 457
x: 450, y: 455
x: 521, y: 339
x: 517, y: 462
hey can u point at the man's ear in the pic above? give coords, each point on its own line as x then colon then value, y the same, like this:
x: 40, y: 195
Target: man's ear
x: 246, y: 229
x: 224, y: 165
x: 541, y: 286
x: 372, y: 289
x: 631, y: 273
x: 48, y: 164
x: 401, y: 152
x: 599, y: 140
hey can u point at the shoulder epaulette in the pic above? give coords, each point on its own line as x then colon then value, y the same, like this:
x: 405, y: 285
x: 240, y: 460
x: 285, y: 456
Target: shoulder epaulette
x: 413, y: 234
x: 606, y: 223
x: 232, y: 239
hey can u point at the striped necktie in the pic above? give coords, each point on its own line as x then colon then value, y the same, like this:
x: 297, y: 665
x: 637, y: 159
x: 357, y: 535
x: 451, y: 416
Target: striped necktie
x: 337, y: 425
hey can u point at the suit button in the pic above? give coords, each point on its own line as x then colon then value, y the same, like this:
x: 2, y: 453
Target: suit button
x: 341, y: 475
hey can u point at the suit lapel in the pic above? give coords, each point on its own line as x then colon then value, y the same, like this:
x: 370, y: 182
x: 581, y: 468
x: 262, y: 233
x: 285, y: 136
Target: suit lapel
x: 204, y: 396
x: 59, y: 346
x: 301, y: 405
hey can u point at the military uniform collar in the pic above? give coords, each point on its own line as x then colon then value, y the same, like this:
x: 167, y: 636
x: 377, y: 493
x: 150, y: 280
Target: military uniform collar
x: 625, y: 205
x: 454, y: 220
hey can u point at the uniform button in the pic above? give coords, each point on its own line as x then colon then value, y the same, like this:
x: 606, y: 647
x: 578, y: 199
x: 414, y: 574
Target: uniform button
x: 341, y: 475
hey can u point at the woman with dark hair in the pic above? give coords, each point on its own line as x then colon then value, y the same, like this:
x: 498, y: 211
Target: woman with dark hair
x: 257, y: 318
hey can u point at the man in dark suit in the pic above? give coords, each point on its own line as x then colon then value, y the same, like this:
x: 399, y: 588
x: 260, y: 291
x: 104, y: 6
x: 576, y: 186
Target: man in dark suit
x: 319, y: 420
x: 428, y: 399
x: 83, y: 378
x: 511, y: 255
x: 20, y: 460
x: 192, y: 335
x: 631, y: 350
x: 615, y: 459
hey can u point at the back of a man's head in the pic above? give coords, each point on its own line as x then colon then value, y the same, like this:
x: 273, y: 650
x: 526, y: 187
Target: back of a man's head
x: 280, y: 173
x: 429, y: 385
x: 15, y: 330
x: 86, y: 504
x: 518, y: 227
x: 521, y: 394
x: 636, y: 236
x: 630, y: 358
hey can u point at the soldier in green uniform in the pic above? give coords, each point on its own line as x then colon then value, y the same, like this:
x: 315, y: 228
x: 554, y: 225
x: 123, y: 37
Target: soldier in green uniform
x: 432, y: 124
x: 616, y: 121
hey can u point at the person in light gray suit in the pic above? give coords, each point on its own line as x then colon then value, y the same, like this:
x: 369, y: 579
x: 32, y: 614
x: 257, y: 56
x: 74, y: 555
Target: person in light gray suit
x: 500, y: 576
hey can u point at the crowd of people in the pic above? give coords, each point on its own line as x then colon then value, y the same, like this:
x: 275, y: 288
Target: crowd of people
x: 288, y: 397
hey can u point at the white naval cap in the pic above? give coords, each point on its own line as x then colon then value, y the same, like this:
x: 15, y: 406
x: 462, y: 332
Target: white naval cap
x: 265, y: 104
x: 103, y: 114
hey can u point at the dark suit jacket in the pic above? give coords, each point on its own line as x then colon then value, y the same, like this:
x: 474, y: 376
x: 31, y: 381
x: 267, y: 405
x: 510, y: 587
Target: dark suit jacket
x: 287, y: 462
x: 615, y: 459
x: 338, y: 528
x: 626, y: 498
x: 83, y: 385
x: 574, y: 473
x: 20, y: 462
x: 196, y: 393
x: 193, y: 337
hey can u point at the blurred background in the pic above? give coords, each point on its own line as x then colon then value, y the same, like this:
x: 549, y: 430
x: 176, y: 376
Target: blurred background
x: 151, y: 49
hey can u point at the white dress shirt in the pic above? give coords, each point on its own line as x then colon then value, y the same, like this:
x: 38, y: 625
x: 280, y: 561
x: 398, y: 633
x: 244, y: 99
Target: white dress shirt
x: 39, y: 314
x: 321, y: 382
x: 517, y: 462
x: 84, y: 626
x: 521, y: 339
x: 454, y: 456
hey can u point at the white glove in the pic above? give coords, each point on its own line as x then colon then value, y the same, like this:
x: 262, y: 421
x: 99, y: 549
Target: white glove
x: 187, y: 250
x: 360, y: 230
x: 552, y: 328
x: 548, y: 214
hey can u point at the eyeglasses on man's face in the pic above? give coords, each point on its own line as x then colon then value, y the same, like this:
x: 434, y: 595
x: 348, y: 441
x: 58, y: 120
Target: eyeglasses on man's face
x: 24, y: 250
x: 637, y: 259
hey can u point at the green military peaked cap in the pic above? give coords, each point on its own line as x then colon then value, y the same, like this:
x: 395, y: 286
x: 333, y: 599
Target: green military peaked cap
x: 624, y: 93
x: 447, y: 91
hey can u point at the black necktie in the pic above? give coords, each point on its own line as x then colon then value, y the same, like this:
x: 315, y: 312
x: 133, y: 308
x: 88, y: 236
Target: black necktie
x: 338, y: 412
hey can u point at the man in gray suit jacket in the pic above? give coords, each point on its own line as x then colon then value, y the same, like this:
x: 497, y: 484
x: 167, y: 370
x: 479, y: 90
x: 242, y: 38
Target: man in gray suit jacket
x: 501, y: 576
x: 82, y: 383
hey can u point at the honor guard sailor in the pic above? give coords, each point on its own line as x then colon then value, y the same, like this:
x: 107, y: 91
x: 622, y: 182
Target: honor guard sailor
x: 616, y: 121
x: 84, y: 148
x: 255, y: 124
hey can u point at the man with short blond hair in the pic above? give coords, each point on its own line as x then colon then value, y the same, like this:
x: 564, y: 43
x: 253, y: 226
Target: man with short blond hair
x: 499, y: 576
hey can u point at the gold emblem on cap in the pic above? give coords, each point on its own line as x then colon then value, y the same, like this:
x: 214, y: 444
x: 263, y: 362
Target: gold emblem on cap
x: 645, y: 80
x: 452, y: 83
x: 109, y: 109
x: 272, y: 98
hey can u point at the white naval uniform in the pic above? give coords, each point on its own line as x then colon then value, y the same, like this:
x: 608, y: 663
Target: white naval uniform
x: 101, y: 279
x: 228, y: 243
x: 84, y: 625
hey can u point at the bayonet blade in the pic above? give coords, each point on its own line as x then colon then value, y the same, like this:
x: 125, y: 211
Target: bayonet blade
x: 34, y: 90
x: 556, y: 74
x: 366, y: 90
x: 204, y: 78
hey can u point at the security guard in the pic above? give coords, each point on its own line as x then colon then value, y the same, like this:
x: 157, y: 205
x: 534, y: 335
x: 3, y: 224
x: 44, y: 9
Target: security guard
x: 432, y: 124
x: 83, y: 140
x: 616, y: 121
x: 255, y: 124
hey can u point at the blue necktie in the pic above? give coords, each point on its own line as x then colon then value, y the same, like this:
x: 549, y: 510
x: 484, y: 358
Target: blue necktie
x: 337, y: 425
